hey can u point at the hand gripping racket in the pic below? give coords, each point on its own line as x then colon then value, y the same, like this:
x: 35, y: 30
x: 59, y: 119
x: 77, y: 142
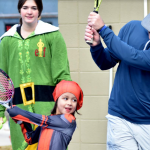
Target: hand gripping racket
x: 97, y: 4
x: 6, y: 90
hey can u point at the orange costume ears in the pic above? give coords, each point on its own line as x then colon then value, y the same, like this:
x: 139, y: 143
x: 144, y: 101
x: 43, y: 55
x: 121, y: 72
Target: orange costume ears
x: 71, y: 87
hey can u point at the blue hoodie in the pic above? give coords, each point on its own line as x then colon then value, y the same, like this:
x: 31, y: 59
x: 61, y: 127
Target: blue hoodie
x: 130, y: 96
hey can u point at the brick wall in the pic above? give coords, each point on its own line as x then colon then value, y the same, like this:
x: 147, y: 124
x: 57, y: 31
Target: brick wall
x: 72, y: 17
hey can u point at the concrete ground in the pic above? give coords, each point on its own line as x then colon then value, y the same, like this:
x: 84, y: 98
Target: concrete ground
x: 5, y: 143
x: 5, y: 135
x: 5, y: 148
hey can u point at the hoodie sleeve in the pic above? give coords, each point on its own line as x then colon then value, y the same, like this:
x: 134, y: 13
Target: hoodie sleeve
x: 56, y: 122
x: 102, y: 57
x: 59, y: 64
x: 30, y: 136
x: 136, y: 58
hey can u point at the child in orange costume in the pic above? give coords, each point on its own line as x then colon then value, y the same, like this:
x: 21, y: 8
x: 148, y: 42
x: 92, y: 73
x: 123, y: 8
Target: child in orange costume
x: 55, y: 131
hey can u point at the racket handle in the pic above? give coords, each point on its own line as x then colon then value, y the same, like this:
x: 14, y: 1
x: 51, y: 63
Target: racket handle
x: 95, y: 11
x: 5, y: 105
x: 90, y: 42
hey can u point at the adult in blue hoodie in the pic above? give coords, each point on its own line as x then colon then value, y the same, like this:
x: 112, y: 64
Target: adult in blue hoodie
x: 129, y: 103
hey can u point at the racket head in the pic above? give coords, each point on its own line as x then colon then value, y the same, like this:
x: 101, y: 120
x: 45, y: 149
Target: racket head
x: 6, y: 88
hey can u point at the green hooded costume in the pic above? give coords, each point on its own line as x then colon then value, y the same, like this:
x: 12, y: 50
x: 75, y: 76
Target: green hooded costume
x: 41, y: 58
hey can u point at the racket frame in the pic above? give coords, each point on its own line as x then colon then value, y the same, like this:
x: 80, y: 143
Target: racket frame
x: 4, y: 103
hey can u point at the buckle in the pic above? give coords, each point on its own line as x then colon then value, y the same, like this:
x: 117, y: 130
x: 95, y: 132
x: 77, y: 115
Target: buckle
x: 22, y: 87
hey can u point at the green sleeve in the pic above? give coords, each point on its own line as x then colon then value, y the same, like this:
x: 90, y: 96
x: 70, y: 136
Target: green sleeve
x: 4, y: 54
x: 59, y: 64
x: 3, y: 65
x: 2, y: 111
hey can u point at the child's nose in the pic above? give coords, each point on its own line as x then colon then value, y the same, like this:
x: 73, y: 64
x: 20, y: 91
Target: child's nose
x: 69, y: 102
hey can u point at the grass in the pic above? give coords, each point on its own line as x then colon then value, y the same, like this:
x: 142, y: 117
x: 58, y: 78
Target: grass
x: 5, y: 148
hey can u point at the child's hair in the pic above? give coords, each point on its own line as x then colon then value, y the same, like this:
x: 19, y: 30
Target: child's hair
x: 71, y: 87
x: 38, y: 3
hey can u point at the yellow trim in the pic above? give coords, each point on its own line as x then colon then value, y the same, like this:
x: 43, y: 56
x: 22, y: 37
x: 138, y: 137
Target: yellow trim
x: 33, y: 146
x: 25, y: 85
x: 40, y: 45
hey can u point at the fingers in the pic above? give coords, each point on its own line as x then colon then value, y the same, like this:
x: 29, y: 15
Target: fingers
x: 88, y: 33
x: 1, y: 120
x: 95, y: 20
x: 92, y: 20
x: 87, y: 37
x: 88, y: 30
x: 1, y: 125
x: 94, y: 31
x: 88, y: 27
x: 91, y: 16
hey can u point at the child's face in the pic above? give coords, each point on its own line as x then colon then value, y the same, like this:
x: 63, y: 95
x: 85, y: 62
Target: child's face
x: 66, y: 104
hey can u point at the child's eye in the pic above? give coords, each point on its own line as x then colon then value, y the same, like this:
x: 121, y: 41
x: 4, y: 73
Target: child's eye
x: 74, y: 100
x: 66, y: 98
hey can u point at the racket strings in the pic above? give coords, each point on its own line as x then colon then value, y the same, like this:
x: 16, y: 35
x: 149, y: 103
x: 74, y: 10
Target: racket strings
x: 6, y: 88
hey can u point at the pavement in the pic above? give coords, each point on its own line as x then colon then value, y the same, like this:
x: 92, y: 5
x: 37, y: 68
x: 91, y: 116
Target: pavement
x: 5, y: 135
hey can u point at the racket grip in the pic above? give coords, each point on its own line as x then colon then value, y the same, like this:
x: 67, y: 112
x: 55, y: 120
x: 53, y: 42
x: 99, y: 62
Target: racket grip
x: 91, y: 41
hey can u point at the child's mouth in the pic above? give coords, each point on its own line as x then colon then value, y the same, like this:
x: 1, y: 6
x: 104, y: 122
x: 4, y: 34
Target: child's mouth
x: 68, y: 109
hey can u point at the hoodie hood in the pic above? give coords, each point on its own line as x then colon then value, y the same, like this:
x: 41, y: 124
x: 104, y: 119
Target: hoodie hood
x: 41, y: 28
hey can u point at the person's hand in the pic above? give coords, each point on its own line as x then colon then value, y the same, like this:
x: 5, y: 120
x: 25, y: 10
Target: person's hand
x: 92, y: 33
x: 95, y: 21
x: 2, y: 121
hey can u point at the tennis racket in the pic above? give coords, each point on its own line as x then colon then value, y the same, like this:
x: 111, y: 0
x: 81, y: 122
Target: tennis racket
x: 6, y: 90
x: 97, y: 4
